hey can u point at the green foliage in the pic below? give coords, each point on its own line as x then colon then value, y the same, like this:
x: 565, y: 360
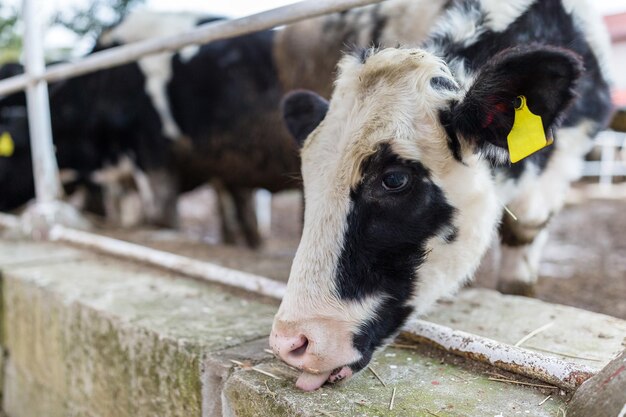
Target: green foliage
x: 10, y: 37
x: 86, y: 22
x: 98, y: 15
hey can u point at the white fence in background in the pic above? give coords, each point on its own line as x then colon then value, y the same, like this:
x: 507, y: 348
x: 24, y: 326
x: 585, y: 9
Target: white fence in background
x: 46, y: 172
x: 612, y: 161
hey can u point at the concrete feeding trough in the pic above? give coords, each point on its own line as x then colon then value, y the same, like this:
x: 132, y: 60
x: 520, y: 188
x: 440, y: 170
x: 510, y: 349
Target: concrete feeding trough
x: 79, y: 325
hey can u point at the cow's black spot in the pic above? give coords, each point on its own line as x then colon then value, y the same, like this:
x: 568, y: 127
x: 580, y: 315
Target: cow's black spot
x: 374, y: 331
x: 445, y: 118
x: 443, y: 83
x: 385, y: 242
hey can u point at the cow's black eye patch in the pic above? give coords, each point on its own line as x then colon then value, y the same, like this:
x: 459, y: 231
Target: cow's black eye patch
x: 396, y: 180
x: 395, y: 210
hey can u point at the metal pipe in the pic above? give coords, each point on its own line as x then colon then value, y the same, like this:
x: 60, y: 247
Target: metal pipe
x: 179, y: 264
x: 45, y: 170
x: 546, y: 368
x: 203, y: 34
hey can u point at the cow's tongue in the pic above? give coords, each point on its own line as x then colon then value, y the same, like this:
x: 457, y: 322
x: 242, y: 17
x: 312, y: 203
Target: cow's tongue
x: 311, y: 382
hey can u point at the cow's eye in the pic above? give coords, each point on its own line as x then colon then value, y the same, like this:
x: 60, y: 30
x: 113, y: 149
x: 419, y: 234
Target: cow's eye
x: 395, y: 180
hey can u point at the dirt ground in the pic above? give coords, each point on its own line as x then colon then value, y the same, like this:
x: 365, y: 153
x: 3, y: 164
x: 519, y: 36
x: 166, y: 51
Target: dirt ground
x: 584, y: 263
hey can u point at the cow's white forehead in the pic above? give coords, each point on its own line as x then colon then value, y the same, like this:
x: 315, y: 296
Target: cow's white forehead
x: 387, y: 98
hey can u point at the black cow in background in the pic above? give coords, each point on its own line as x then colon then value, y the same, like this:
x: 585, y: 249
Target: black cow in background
x: 98, y: 120
x: 219, y: 106
x: 16, y: 181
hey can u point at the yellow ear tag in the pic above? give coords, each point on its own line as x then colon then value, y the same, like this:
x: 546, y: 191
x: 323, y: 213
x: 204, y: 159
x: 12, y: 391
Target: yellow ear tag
x: 527, y: 135
x: 7, y: 147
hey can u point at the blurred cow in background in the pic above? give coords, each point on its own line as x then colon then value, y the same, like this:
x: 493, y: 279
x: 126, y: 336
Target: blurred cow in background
x: 219, y: 108
x: 100, y: 122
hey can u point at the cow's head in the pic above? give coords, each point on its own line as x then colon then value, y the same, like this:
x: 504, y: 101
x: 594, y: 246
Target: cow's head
x: 400, y: 200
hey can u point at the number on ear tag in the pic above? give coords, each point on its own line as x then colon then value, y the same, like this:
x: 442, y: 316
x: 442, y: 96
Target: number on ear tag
x: 527, y: 135
x: 7, y: 147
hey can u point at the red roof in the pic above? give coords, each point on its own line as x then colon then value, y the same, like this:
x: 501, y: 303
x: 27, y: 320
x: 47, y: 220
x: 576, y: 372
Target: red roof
x: 617, y: 26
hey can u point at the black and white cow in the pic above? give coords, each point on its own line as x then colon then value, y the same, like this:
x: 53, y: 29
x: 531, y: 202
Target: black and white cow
x: 97, y: 120
x: 406, y: 171
x: 206, y: 113
x: 219, y: 104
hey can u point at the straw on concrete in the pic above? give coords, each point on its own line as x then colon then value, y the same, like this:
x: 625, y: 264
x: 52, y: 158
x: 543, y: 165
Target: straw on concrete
x: 534, y: 333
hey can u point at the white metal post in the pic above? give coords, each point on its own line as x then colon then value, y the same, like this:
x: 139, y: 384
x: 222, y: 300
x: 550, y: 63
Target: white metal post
x: 46, y: 172
x: 263, y: 205
x: 607, y: 160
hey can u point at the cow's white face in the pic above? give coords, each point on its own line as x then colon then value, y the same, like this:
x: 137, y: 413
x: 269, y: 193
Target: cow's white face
x: 399, y: 210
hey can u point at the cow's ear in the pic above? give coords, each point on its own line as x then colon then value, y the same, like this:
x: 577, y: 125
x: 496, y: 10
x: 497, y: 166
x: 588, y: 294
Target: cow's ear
x: 546, y: 76
x: 303, y: 111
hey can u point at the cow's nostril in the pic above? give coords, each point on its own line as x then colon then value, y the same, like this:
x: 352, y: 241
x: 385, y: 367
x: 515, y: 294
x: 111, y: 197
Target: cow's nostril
x: 299, y: 348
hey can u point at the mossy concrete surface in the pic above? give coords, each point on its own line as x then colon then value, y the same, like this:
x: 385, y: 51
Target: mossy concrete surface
x: 425, y: 385
x: 88, y: 335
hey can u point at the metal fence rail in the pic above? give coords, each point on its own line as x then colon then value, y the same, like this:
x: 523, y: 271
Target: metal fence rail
x: 202, y: 34
x: 45, y: 169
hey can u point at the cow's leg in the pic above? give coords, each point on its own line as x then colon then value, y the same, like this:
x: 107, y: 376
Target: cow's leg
x: 237, y: 214
x: 246, y: 215
x: 112, y: 193
x: 539, y: 196
x: 162, y: 209
x: 520, y: 254
x: 227, y: 212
